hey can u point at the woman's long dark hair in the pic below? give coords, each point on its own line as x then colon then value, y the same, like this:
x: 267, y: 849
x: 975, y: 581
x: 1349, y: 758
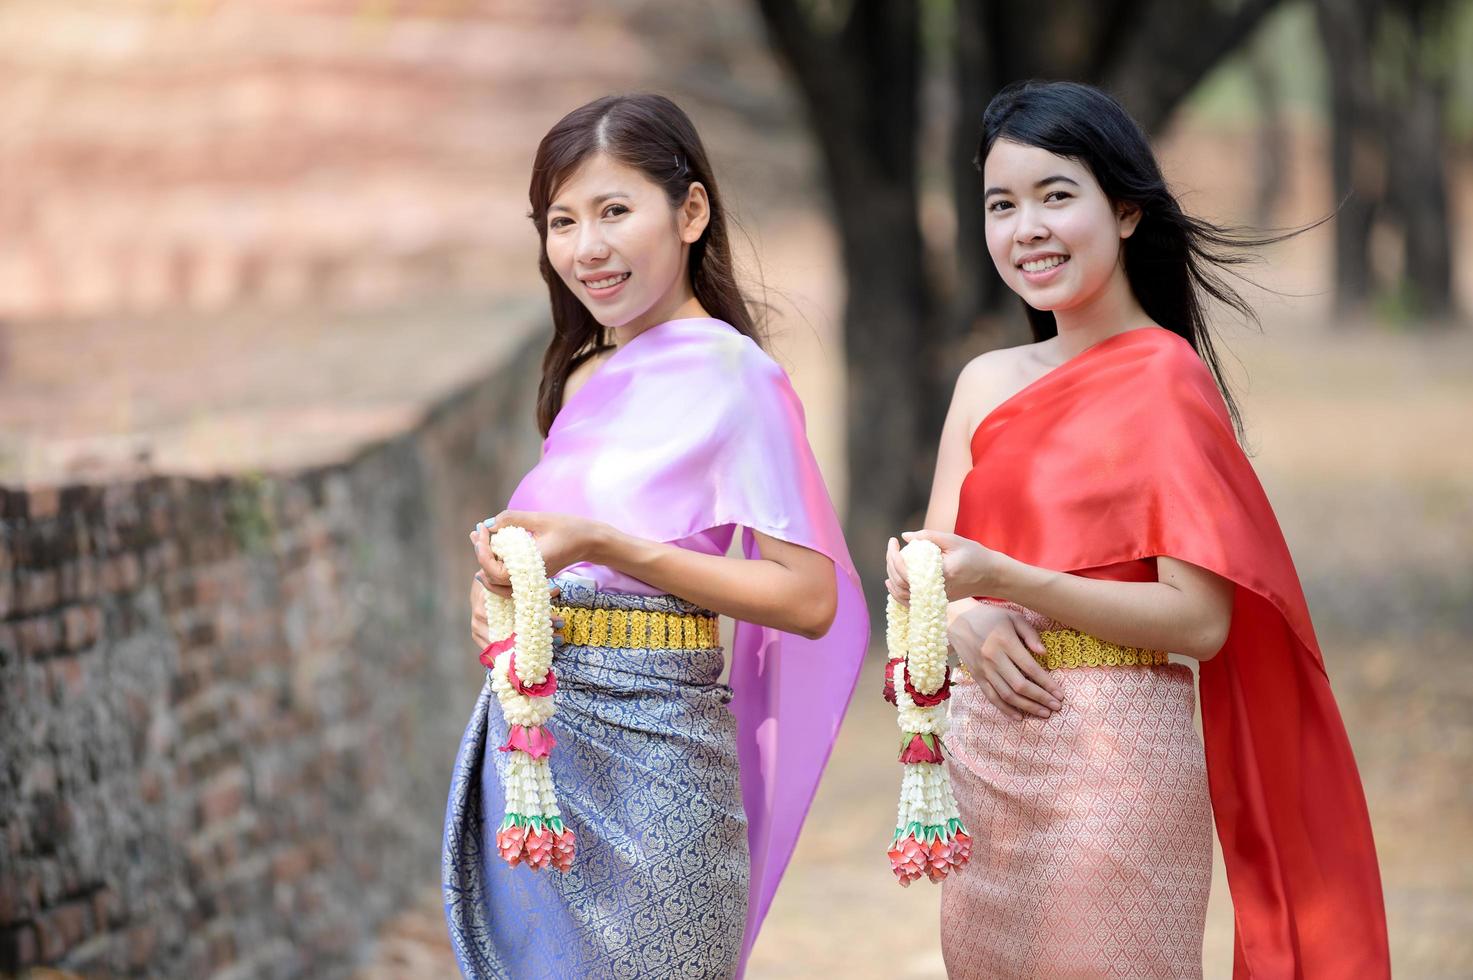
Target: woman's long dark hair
x: 653, y: 135
x: 1173, y: 261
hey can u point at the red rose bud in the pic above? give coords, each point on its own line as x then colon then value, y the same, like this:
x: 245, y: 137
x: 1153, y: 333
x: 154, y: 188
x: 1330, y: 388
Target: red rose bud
x: 534, y: 740
x: 922, y: 748
x: 929, y: 700
x: 889, y: 690
x: 489, y: 655
x: 543, y: 690
x: 539, y: 848
x: 563, y: 846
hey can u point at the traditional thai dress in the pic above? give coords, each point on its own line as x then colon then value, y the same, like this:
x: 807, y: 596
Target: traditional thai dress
x: 1091, y: 843
x: 686, y: 794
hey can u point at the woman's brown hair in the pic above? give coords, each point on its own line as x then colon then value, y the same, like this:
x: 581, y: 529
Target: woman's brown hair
x: 655, y: 136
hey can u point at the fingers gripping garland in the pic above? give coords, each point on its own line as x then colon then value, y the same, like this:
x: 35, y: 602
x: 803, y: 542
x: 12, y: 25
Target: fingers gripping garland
x: 929, y: 837
x: 520, y: 662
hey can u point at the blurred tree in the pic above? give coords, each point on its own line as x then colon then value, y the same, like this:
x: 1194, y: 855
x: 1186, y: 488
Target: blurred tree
x: 859, y: 64
x: 1273, y: 128
x: 1389, y: 91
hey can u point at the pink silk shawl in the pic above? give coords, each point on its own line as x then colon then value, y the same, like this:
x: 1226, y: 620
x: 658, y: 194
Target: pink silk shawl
x: 691, y: 426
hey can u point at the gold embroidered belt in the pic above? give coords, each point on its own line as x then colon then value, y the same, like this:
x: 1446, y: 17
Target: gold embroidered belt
x: 1066, y: 648
x: 1071, y: 648
x: 637, y: 629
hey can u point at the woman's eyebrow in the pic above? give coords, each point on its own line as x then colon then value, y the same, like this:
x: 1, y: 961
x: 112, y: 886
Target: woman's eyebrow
x: 1040, y: 185
x: 597, y: 200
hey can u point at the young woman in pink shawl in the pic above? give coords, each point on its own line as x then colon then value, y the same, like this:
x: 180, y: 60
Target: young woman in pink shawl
x: 668, y: 430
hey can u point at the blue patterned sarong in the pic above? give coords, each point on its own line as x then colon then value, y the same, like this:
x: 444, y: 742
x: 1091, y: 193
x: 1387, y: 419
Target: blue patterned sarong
x: 646, y: 774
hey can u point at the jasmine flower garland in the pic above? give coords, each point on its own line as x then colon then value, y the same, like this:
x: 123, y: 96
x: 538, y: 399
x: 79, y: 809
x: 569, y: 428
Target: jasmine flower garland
x: 519, y: 661
x: 929, y: 836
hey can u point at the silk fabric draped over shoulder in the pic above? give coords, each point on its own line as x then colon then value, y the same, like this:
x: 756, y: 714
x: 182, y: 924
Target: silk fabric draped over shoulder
x: 691, y: 426
x: 1125, y: 452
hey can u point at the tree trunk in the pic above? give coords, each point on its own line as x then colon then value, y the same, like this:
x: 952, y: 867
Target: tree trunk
x: 1387, y: 146
x: 1273, y: 136
x: 1152, y: 68
x: 861, y: 85
x: 1356, y: 162
x: 984, y: 44
x: 887, y: 397
x: 1417, y: 184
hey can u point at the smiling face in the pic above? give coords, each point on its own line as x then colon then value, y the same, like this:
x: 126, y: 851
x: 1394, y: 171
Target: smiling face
x: 1052, y: 233
x: 617, y: 243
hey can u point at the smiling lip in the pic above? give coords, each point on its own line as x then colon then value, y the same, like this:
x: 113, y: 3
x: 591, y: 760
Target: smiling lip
x: 1044, y: 275
x: 605, y: 292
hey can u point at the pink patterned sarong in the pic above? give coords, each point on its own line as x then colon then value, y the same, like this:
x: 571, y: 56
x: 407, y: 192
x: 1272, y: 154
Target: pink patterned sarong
x: 1092, y: 832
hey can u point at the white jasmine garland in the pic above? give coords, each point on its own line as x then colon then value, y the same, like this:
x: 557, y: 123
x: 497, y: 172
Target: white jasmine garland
x: 518, y: 708
x: 529, y: 615
x: 930, y: 839
x: 925, y: 620
x: 532, y: 829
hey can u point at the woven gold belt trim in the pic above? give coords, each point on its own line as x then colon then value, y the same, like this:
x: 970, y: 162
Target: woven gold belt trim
x: 1071, y: 648
x: 638, y: 629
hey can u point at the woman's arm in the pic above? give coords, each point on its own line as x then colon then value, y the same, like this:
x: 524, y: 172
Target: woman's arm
x: 790, y: 588
x: 954, y: 457
x: 1187, y: 610
x: 954, y: 452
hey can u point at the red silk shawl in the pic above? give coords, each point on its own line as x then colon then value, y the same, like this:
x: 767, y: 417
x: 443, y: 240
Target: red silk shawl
x: 1125, y: 452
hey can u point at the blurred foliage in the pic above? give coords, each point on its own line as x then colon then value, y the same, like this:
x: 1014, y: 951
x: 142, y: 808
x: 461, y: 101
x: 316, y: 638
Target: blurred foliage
x: 1289, y: 41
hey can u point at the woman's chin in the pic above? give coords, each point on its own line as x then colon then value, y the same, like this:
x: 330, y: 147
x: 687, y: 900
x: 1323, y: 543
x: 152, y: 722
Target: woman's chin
x: 614, y: 319
x: 1049, y: 299
x: 607, y: 318
x: 1045, y: 301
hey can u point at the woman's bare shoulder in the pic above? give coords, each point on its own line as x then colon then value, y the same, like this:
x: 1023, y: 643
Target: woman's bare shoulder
x: 991, y: 378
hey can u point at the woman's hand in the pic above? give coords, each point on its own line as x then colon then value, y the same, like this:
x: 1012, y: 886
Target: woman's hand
x: 993, y: 644
x: 563, y: 541
x: 968, y: 568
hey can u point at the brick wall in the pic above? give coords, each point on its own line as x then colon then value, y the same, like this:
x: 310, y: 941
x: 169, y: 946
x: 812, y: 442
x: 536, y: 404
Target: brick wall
x: 228, y: 708
x: 204, y: 155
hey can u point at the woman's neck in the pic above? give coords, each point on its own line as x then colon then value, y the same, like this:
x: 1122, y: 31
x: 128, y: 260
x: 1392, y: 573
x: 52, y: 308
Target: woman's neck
x: 1114, y: 309
x: 688, y: 307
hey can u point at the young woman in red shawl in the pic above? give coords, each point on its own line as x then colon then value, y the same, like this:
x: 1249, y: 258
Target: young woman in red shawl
x: 1103, y: 513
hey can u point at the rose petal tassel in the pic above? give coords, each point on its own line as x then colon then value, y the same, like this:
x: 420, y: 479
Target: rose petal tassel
x: 563, y: 846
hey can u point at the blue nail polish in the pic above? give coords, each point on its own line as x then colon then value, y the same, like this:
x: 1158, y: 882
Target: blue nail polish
x: 558, y: 641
